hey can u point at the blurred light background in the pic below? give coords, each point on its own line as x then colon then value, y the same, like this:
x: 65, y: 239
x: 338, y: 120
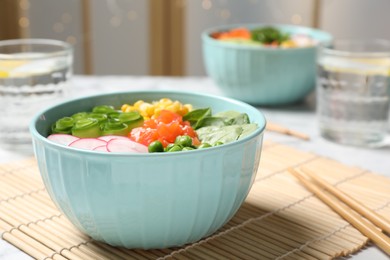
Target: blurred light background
x: 162, y: 37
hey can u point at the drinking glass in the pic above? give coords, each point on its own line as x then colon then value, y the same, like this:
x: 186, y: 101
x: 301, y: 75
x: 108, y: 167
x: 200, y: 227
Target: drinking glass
x: 353, y: 90
x: 34, y: 73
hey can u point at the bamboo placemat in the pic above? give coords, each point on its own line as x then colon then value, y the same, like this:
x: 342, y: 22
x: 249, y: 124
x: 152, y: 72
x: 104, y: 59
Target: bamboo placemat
x: 279, y: 219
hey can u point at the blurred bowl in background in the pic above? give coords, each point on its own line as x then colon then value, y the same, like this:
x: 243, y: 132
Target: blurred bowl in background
x: 262, y: 75
x: 148, y: 200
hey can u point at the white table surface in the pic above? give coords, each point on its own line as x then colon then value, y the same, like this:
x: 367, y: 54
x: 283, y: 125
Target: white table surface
x: 300, y: 117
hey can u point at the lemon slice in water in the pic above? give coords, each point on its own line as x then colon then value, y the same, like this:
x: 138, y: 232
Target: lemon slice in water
x: 7, y: 66
x: 358, y: 66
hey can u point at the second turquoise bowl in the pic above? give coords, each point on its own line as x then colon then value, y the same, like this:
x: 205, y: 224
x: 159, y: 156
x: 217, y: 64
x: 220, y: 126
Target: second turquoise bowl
x: 155, y: 200
x: 262, y: 75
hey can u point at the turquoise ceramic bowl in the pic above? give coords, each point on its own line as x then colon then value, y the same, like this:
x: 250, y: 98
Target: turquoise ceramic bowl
x: 153, y: 200
x: 262, y: 75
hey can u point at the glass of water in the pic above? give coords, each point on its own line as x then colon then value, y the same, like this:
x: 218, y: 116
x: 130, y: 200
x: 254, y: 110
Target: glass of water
x: 353, y: 89
x: 34, y: 73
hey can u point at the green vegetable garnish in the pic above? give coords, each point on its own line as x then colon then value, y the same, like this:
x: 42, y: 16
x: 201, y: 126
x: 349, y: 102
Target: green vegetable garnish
x: 195, y: 116
x: 247, y: 130
x: 169, y: 146
x: 63, y: 125
x: 79, y: 115
x: 225, y: 127
x: 268, y: 35
x: 183, y: 141
x: 233, y: 117
x: 155, y: 147
x: 225, y: 134
x: 114, y: 114
x: 210, y: 121
x: 86, y: 128
x: 189, y: 148
x: 101, y: 118
x: 204, y: 145
x: 113, y: 127
x: 175, y: 148
x: 132, y: 119
x: 103, y: 109
x: 109, y: 121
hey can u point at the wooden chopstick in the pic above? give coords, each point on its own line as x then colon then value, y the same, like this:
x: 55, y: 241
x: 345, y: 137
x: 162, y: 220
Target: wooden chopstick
x: 364, y: 226
x: 371, y: 215
x: 283, y: 130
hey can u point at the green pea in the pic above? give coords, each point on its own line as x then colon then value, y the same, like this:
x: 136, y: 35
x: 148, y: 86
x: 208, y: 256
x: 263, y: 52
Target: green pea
x: 169, y: 146
x: 175, y: 148
x: 204, y: 145
x: 155, y: 147
x: 218, y: 143
x: 183, y: 140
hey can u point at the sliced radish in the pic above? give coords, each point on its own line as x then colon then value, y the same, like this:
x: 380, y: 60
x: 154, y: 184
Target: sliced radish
x: 102, y: 148
x: 64, y: 139
x: 126, y: 145
x: 87, y: 143
x: 110, y: 137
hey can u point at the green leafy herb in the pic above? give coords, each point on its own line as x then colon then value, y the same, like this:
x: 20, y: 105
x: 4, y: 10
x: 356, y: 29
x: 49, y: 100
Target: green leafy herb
x: 268, y: 35
x: 224, y: 127
x: 195, y: 116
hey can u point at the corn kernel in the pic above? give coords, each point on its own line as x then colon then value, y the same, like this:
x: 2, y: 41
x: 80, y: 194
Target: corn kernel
x: 188, y: 106
x: 149, y: 110
x: 143, y: 108
x: 153, y: 110
x: 165, y: 101
x: 138, y: 103
x: 124, y: 106
x: 288, y: 44
x: 174, y: 107
x: 184, y: 111
x: 129, y: 109
x: 157, y: 112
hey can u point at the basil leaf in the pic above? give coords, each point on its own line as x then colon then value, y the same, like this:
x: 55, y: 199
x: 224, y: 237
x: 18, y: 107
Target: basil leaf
x: 197, y: 115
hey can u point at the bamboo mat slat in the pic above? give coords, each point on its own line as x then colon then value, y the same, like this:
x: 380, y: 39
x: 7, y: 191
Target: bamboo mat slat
x: 280, y: 219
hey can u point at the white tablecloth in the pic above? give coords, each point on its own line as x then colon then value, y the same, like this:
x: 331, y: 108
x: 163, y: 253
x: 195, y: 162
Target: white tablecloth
x: 300, y: 117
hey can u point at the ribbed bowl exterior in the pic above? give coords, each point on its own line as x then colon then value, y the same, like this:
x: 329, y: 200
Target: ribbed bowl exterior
x: 261, y: 75
x: 148, y: 200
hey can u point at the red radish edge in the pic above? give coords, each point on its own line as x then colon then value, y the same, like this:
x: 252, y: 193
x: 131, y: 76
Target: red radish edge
x: 109, y: 143
x: 126, y: 145
x: 87, y: 143
x: 107, y: 138
x: 102, y: 148
x: 64, y: 139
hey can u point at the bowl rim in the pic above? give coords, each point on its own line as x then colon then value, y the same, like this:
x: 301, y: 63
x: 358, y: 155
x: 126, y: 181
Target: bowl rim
x: 64, y: 48
x: 302, y: 29
x: 35, y: 134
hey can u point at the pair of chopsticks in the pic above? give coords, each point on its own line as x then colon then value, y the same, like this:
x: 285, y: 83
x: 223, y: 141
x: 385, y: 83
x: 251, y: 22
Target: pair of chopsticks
x: 283, y: 130
x: 368, y: 222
